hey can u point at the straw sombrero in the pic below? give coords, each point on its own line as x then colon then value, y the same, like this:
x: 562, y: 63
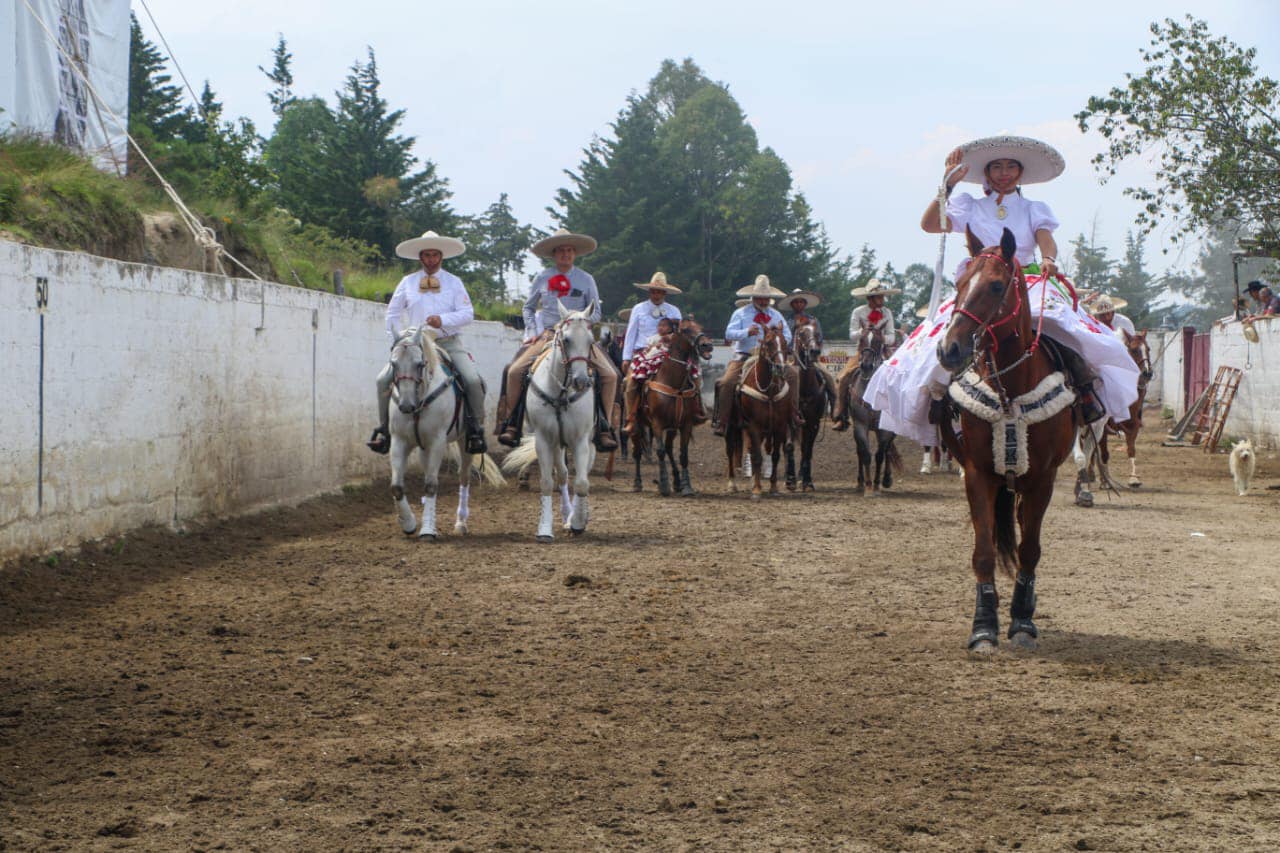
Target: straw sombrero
x: 624, y: 315
x: 1103, y: 304
x: 658, y: 282
x: 581, y: 242
x: 810, y: 298
x: 875, y: 287
x: 1040, y: 162
x: 447, y: 246
x: 762, y: 287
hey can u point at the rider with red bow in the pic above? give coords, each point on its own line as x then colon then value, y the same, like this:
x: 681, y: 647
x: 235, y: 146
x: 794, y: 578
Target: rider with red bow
x: 745, y: 331
x: 874, y: 316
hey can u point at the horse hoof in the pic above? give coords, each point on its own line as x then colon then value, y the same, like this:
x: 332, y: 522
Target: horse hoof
x: 460, y: 529
x: 1135, y: 483
x: 637, y: 487
x: 1084, y: 499
x: 575, y: 531
x: 434, y: 537
x: 546, y: 538
x: 1022, y: 641
x: 808, y: 487
x: 791, y: 487
x: 983, y: 648
x: 755, y: 496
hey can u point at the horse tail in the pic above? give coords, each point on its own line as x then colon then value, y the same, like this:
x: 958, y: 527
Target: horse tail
x: 482, y: 463
x: 518, y: 460
x: 1006, y: 531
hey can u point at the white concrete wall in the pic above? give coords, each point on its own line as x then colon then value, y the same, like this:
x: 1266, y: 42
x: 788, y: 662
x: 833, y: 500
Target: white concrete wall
x: 1255, y: 412
x: 170, y: 395
x: 1166, y: 363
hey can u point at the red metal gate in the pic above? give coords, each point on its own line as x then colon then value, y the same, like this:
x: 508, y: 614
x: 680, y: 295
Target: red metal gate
x: 1196, y: 365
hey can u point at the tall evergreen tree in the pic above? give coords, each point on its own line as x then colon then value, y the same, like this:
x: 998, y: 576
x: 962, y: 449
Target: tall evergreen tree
x: 1091, y: 268
x: 155, y: 105
x: 1132, y: 282
x: 281, y: 74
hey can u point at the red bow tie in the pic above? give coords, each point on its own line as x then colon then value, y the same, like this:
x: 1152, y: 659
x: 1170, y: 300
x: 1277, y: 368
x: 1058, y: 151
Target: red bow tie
x: 874, y: 316
x: 762, y: 318
x: 558, y: 284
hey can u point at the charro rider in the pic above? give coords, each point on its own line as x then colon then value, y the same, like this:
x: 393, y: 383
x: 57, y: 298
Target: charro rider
x: 875, y: 315
x: 434, y: 297
x: 1104, y: 308
x: 575, y: 289
x: 745, y: 330
x: 642, y: 324
x: 800, y: 301
x: 902, y: 387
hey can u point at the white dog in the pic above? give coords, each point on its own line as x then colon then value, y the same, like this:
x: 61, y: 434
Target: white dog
x: 1242, y: 463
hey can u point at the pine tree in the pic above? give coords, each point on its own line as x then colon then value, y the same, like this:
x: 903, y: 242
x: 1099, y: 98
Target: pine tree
x: 281, y: 74
x: 1132, y: 282
x: 155, y: 105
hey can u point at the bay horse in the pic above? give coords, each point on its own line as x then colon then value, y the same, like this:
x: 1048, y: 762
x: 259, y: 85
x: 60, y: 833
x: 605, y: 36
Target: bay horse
x: 763, y: 404
x: 667, y: 408
x: 813, y: 405
x: 1016, y: 429
x: 866, y: 420
x: 1086, y: 464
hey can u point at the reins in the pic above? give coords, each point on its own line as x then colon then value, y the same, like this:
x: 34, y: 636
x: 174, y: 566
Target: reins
x: 563, y: 400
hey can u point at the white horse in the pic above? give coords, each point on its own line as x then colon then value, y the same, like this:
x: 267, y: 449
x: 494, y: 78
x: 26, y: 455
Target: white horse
x: 428, y: 416
x: 560, y: 412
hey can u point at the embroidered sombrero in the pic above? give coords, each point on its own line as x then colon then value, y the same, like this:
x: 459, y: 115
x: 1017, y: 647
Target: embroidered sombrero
x: 447, y: 246
x: 810, y: 298
x: 761, y: 287
x: 1040, y: 161
x: 658, y: 282
x: 875, y: 287
x: 581, y: 242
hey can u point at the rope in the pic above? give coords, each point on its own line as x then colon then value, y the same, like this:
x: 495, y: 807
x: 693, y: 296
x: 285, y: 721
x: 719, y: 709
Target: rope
x: 174, y: 59
x: 203, y: 235
x: 935, y: 295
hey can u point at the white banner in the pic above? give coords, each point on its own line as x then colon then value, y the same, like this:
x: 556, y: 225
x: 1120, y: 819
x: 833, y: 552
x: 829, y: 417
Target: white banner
x: 40, y: 90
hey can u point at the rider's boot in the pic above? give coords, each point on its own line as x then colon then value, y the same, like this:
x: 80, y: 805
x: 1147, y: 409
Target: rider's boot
x: 719, y: 413
x: 1082, y: 377
x: 475, y: 436
x: 380, y: 441
x: 699, y: 409
x: 512, y: 429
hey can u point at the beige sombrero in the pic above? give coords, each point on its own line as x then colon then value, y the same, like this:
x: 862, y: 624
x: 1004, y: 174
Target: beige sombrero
x: 875, y: 287
x: 1040, y: 161
x: 447, y: 246
x: 810, y: 298
x: 658, y: 282
x: 581, y: 242
x: 761, y: 287
x: 1103, y: 304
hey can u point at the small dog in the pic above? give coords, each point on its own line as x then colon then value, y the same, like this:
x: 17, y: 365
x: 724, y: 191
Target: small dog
x: 1242, y: 463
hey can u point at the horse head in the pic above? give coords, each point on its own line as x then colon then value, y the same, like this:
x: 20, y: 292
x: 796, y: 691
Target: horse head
x: 988, y: 302
x: 574, y: 342
x: 413, y: 361
x: 870, y: 351
x: 696, y: 340
x: 806, y: 344
x: 1139, y: 351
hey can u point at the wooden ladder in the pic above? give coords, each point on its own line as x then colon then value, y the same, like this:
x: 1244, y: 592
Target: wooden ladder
x: 1213, y: 414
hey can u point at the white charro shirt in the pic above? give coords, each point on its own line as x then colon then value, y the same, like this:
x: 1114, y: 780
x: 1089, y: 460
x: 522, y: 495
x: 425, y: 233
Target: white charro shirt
x: 411, y: 306
x: 1121, y: 324
x: 1022, y: 217
x: 860, y: 320
x: 643, y: 325
x: 742, y: 321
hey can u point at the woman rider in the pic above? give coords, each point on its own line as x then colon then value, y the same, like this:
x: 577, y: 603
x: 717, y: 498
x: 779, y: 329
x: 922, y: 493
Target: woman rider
x: 902, y: 387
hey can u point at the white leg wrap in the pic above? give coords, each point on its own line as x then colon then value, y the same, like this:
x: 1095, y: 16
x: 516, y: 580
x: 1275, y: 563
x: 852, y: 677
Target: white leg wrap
x: 464, y: 503
x: 566, y: 502
x: 544, y: 520
x: 428, y: 517
x: 408, y: 522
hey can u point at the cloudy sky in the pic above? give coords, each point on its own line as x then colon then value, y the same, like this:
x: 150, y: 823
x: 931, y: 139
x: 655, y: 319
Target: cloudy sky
x: 862, y: 101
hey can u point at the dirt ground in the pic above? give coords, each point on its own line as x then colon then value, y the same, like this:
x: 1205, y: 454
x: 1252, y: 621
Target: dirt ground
x: 693, y: 673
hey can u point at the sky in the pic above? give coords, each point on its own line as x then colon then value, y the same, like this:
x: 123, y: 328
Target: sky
x: 862, y: 101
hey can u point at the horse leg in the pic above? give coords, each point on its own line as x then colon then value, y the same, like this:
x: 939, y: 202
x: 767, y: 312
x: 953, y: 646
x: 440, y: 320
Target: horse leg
x: 884, y: 439
x: 547, y: 485
x: 562, y: 482
x: 1084, y: 476
x: 864, y: 455
x: 791, y: 466
x: 980, y: 490
x: 1035, y: 501
x: 686, y: 487
x: 775, y: 457
x: 733, y: 456
x: 464, y: 493
x: 807, y: 439
x: 637, y: 450
x: 754, y: 442
x: 1131, y: 448
x: 399, y: 462
x: 581, y: 486
x: 664, y: 453
x: 431, y: 458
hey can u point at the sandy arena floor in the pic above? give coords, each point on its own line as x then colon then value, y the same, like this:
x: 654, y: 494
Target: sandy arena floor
x: 694, y: 673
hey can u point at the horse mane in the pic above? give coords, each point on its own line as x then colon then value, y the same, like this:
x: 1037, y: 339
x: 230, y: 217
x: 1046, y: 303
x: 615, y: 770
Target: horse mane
x: 427, y: 340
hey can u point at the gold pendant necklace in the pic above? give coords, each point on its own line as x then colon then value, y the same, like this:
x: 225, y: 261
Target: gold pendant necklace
x: 1001, y: 210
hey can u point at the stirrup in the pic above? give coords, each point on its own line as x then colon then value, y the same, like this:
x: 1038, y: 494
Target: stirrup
x: 476, y: 443
x: 1090, y: 408
x: 604, y: 440
x: 509, y: 437
x: 380, y: 441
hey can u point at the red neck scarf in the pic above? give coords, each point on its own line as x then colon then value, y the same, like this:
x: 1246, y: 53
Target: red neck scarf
x: 558, y: 284
x: 761, y: 318
x: 875, y: 316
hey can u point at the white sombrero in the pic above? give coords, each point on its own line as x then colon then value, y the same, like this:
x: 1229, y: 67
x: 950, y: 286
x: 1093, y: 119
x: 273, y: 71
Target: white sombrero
x: 1104, y: 304
x: 1040, y: 162
x: 447, y: 246
x: 810, y: 298
x: 581, y: 242
x: 658, y: 282
x: 761, y: 287
x: 875, y: 287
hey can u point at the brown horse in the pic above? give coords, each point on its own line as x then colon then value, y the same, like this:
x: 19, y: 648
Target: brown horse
x: 813, y: 405
x: 866, y: 420
x: 667, y: 408
x: 763, y: 405
x: 1014, y: 400
x: 1140, y: 352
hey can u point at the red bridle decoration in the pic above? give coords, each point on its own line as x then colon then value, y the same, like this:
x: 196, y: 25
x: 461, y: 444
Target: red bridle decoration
x: 1015, y: 281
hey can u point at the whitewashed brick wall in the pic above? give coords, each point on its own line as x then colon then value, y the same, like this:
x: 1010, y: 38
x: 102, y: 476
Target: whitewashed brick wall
x: 170, y: 395
x: 1255, y: 412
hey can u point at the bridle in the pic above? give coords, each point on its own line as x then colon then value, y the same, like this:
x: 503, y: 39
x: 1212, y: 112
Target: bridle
x: 1013, y: 279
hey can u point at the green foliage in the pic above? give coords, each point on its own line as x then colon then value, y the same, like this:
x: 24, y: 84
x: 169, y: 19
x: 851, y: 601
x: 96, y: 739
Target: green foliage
x: 281, y: 74
x: 154, y: 103
x: 683, y: 186
x: 1215, y: 124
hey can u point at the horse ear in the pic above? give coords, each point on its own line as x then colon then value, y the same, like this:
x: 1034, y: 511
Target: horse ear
x: 1008, y: 245
x: 974, y: 244
x: 589, y: 310
x: 1128, y: 338
x: 564, y: 312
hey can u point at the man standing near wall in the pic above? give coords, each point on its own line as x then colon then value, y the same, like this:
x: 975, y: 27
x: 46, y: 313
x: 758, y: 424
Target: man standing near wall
x: 438, y: 299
